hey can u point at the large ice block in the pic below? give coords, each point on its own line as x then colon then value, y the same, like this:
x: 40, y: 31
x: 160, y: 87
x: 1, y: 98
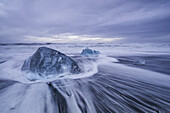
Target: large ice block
x: 47, y: 63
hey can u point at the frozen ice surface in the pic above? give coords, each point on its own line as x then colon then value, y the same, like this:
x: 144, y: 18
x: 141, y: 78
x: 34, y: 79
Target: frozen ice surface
x: 89, y: 52
x: 48, y: 63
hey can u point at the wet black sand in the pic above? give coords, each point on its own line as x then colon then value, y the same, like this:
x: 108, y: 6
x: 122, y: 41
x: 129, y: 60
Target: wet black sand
x: 157, y: 63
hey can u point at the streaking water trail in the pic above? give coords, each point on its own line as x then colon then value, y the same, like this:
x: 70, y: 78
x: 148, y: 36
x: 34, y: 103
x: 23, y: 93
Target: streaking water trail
x: 110, y: 90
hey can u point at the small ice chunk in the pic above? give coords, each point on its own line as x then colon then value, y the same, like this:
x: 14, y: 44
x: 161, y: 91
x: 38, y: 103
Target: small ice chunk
x: 139, y: 62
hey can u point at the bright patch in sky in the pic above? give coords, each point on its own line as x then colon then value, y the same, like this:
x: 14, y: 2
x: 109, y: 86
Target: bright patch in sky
x: 69, y: 38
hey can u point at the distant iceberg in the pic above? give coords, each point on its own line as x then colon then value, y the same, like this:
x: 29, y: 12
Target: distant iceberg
x: 89, y: 52
x: 48, y: 63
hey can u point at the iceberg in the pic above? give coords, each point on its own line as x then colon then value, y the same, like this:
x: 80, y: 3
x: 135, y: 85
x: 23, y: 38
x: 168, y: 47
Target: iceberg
x: 89, y: 52
x: 48, y: 63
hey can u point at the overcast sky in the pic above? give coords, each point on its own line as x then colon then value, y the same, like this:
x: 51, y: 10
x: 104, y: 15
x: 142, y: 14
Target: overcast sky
x: 84, y: 21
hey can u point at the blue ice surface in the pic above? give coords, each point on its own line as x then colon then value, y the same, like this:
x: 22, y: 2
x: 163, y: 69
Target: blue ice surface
x: 89, y: 52
x: 48, y: 63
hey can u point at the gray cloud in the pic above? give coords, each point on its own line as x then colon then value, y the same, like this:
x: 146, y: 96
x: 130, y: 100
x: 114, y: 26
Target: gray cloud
x: 134, y: 21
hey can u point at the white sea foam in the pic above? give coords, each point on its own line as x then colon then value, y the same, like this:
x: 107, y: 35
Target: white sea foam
x: 11, y: 68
